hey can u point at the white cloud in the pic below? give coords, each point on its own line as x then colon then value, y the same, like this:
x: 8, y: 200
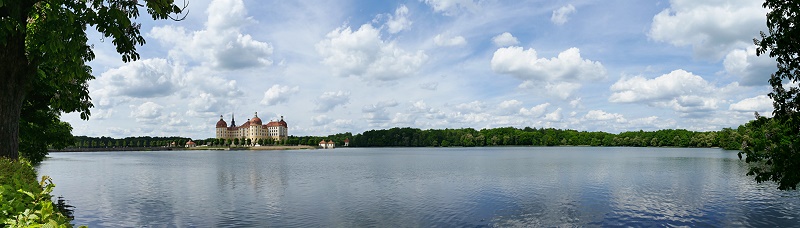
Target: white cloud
x: 554, y: 116
x: 680, y: 90
x: 562, y: 90
x: 450, y: 7
x: 399, y: 21
x: 472, y: 107
x: 455, y: 41
x: 560, y: 75
x: 362, y: 53
x: 101, y: 114
x: 376, y: 114
x: 140, y: 79
x: 561, y: 15
x: 403, y: 119
x: 505, y: 39
x: 535, y: 111
x: 429, y: 112
x: 711, y: 28
x: 278, y: 94
x: 210, y: 94
x: 509, y: 107
x: 751, y: 69
x: 575, y: 103
x: 600, y: 115
x: 147, y: 111
x: 525, y: 64
x: 320, y: 120
x: 221, y: 44
x: 665, y: 87
x: 760, y: 103
x: 329, y: 100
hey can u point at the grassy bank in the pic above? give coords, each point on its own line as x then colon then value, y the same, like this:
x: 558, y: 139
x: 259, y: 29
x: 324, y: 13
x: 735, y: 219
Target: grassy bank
x: 24, y: 201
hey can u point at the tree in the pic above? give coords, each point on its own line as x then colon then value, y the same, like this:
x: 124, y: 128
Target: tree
x: 774, y: 154
x: 44, y: 43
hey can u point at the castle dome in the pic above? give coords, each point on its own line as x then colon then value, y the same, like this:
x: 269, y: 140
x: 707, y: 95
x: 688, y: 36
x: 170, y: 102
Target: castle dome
x: 283, y: 123
x: 255, y: 120
x: 221, y: 123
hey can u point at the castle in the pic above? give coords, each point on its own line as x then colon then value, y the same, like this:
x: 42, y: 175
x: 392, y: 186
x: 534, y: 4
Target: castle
x: 253, y: 129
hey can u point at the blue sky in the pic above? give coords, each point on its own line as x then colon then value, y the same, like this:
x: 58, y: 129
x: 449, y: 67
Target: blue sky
x: 350, y: 66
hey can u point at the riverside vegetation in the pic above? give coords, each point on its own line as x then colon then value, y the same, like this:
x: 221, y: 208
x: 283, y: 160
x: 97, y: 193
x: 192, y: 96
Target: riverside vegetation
x: 24, y: 202
x: 727, y: 138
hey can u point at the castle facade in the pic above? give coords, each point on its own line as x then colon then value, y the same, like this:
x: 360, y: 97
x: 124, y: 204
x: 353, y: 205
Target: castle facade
x: 253, y: 129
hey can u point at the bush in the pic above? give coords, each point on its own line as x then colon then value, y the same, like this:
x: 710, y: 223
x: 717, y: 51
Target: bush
x: 24, y: 202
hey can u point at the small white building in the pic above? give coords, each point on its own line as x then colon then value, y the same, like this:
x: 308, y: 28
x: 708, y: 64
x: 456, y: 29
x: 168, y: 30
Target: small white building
x: 327, y: 145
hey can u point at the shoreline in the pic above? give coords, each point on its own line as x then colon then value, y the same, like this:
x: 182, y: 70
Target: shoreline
x: 124, y: 149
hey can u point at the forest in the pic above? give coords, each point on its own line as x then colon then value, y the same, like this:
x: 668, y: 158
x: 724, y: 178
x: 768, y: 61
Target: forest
x: 509, y: 136
x: 726, y: 138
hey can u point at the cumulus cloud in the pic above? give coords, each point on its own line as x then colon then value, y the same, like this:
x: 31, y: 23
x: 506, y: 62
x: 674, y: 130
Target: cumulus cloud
x: 320, y: 120
x: 509, y: 107
x: 600, y: 115
x: 363, y: 53
x: 147, y: 111
x: 399, y: 21
x: 330, y: 100
x: 535, y: 111
x: 680, y: 90
x: 278, y: 94
x: 429, y: 112
x: 751, y: 69
x: 505, y: 39
x: 560, y: 75
x: 554, y: 116
x: 141, y: 79
x: 101, y: 114
x: 711, y: 28
x: 376, y: 114
x: 471, y: 107
x: 561, y: 15
x: 441, y: 40
x: 761, y: 104
x: 450, y: 7
x: 210, y: 94
x: 221, y: 44
x: 525, y: 64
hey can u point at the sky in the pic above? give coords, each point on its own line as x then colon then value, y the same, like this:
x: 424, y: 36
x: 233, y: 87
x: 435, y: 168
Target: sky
x: 349, y: 66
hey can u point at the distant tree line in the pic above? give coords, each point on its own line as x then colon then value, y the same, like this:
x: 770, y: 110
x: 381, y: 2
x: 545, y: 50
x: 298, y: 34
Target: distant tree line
x: 509, y: 136
x: 147, y: 141
x: 142, y: 141
x: 726, y: 138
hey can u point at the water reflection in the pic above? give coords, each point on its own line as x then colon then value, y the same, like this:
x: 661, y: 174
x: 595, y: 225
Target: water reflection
x: 419, y: 187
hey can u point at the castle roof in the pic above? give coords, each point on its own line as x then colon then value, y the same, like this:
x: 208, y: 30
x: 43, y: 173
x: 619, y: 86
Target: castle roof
x: 256, y: 120
x: 221, y: 123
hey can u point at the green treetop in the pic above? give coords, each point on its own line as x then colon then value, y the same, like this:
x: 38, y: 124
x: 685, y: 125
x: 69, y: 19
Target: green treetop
x: 43, y: 51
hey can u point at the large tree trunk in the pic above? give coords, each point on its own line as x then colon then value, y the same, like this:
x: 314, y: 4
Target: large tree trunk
x: 15, y: 75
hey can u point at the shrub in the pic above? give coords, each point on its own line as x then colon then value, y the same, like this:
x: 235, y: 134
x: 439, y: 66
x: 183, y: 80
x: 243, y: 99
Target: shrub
x: 24, y: 202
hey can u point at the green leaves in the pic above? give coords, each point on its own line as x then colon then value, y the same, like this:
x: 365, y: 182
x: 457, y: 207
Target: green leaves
x: 773, y: 147
x: 23, y: 201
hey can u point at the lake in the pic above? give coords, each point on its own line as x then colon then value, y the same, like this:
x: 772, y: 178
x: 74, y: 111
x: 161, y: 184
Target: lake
x: 413, y: 187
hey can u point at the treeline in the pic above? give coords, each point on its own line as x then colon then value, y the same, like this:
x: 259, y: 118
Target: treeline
x: 510, y: 136
x: 727, y: 138
x: 315, y: 140
x: 142, y: 141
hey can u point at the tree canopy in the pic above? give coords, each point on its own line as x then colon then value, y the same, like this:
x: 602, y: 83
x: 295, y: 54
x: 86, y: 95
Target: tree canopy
x: 44, y: 51
x: 773, y: 144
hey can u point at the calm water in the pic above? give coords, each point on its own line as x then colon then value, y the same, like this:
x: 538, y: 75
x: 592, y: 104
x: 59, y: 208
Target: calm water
x: 410, y: 187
